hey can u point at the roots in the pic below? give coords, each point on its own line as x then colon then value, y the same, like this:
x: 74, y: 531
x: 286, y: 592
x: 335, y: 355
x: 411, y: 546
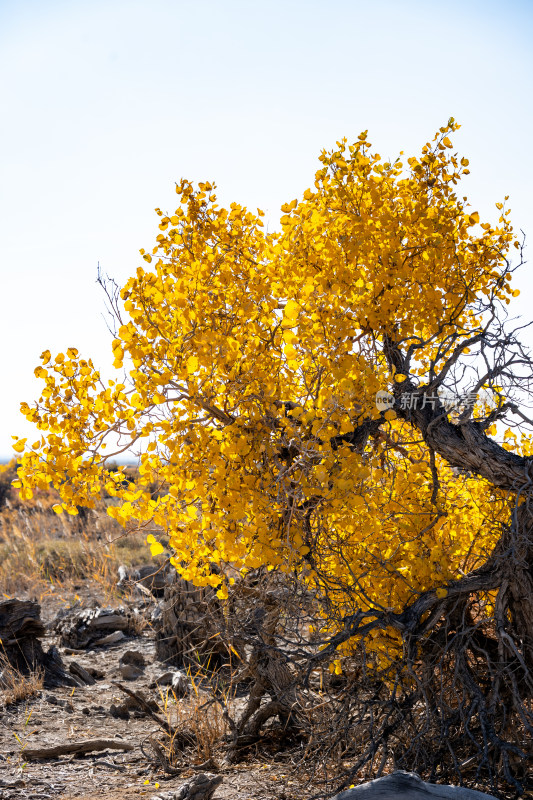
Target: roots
x: 456, y: 705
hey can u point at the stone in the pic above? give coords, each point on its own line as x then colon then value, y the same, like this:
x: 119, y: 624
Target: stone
x: 402, y: 785
x: 112, y: 638
x: 119, y: 712
x: 132, y: 665
x: 130, y: 672
x: 174, y: 678
x: 180, y: 684
x: 134, y: 657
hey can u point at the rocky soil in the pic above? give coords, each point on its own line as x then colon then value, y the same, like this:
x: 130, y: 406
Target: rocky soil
x: 136, y: 765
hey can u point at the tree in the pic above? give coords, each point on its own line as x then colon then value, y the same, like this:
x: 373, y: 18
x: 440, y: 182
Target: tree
x: 329, y: 401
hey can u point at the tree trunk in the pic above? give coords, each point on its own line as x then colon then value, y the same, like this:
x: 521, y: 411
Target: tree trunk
x: 191, y: 628
x: 20, y: 631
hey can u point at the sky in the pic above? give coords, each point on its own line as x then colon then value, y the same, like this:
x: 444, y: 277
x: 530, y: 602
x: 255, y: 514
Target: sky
x: 107, y: 104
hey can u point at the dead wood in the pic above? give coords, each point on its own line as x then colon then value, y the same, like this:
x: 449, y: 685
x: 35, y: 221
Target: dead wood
x: 86, y: 746
x: 139, y: 699
x: 270, y: 672
x: 160, y: 757
x: 21, y: 629
x: 80, y: 672
x: 81, y: 628
x: 191, y: 628
x: 180, y: 738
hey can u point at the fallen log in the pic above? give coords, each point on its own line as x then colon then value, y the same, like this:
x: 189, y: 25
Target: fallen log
x: 86, y: 746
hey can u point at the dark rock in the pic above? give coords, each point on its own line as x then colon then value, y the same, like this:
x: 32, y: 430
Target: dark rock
x: 130, y: 672
x: 134, y: 657
x: 408, y: 786
x: 119, y: 712
x: 201, y: 787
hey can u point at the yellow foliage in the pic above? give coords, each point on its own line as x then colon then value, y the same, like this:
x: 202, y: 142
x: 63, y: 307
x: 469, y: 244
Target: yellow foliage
x: 251, y: 358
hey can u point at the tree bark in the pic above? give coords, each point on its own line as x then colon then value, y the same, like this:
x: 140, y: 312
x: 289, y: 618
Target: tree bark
x: 21, y: 629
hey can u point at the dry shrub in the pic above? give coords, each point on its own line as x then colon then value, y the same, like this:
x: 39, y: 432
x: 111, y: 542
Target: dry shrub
x: 435, y: 708
x: 15, y: 686
x: 195, y: 718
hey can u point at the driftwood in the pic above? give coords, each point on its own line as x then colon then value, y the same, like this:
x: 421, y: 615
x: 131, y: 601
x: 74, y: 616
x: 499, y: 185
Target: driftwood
x: 81, y: 673
x: 408, y: 786
x: 82, y: 628
x: 21, y: 629
x: 191, y: 627
x: 201, y: 787
x: 87, y: 746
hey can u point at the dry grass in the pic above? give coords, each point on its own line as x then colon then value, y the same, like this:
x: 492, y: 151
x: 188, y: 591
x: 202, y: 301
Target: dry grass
x: 39, y: 548
x: 197, y: 717
x: 14, y: 686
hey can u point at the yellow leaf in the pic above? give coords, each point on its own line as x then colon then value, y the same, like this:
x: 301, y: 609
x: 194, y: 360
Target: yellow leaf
x: 192, y: 364
x: 156, y: 548
x: 291, y: 310
x: 290, y: 352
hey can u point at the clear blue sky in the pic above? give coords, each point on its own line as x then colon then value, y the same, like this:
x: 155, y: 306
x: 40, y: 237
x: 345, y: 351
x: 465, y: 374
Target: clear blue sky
x: 106, y: 104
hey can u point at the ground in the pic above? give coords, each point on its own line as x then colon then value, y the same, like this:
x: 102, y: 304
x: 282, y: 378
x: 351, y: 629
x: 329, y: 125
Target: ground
x: 65, y: 561
x: 63, y: 715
